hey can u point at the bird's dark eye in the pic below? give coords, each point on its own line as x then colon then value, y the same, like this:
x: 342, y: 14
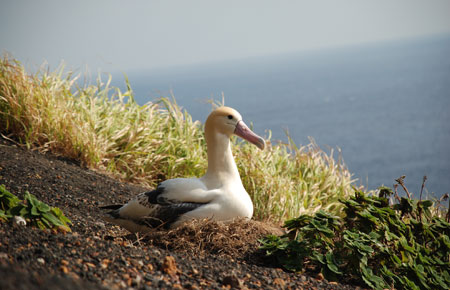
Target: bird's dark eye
x: 230, y: 117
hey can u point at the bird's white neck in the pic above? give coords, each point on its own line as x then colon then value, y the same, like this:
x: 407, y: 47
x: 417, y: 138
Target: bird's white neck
x: 221, y: 165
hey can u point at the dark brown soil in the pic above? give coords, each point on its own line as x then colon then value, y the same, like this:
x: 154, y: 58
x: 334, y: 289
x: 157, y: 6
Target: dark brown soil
x: 97, y: 255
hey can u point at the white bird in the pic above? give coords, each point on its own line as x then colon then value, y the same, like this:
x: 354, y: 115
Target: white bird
x: 218, y: 195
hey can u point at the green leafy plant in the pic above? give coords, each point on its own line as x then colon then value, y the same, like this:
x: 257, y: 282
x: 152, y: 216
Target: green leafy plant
x: 379, y: 244
x: 32, y: 210
x: 7, y: 201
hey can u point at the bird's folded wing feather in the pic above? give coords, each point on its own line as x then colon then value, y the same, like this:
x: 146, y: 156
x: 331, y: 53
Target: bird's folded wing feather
x: 187, y: 190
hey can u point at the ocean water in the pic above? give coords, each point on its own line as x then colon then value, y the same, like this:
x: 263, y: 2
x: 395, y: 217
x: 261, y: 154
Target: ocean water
x: 385, y: 105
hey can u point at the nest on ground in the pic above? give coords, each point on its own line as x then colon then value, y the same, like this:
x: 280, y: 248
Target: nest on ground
x: 233, y: 239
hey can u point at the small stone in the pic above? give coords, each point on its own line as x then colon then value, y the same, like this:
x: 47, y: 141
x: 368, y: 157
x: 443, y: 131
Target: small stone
x: 169, y: 266
x: 191, y: 287
x: 320, y: 277
x: 64, y: 269
x: 137, y: 281
x: 104, y: 264
x: 150, y: 267
x: 333, y: 283
x: 137, y: 263
x: 155, y: 281
x: 280, y: 282
x: 40, y: 261
x: 232, y: 281
x: 74, y: 275
x: 100, y: 224
x: 123, y: 284
x: 19, y: 221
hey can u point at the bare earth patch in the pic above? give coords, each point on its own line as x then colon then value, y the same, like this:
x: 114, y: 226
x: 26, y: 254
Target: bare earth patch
x: 97, y: 255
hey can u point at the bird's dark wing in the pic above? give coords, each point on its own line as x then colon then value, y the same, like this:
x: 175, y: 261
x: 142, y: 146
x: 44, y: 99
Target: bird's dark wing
x: 164, y: 211
x: 168, y: 210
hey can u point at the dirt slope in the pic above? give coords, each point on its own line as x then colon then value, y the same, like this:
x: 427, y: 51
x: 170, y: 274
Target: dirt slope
x: 98, y: 255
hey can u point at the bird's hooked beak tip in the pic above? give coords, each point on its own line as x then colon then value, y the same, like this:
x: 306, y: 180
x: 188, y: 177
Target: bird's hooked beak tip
x: 261, y: 144
x: 244, y: 132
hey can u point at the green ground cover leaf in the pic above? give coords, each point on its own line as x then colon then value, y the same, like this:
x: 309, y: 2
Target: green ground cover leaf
x: 382, y: 246
x: 7, y: 200
x: 32, y: 210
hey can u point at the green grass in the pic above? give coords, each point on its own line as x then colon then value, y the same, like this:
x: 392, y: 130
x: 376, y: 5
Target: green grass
x: 106, y: 130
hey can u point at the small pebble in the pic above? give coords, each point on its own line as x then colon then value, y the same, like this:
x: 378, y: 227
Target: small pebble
x: 137, y: 281
x: 155, y: 281
x: 231, y: 280
x: 40, y: 261
x: 123, y: 284
x: 280, y: 282
x: 19, y: 221
x: 100, y: 224
x: 169, y: 266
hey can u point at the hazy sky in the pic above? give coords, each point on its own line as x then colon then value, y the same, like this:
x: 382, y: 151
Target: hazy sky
x: 124, y: 35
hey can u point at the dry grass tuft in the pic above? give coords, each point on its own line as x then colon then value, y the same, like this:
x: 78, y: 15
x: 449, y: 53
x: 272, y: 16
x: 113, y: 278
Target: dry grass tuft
x: 235, y: 239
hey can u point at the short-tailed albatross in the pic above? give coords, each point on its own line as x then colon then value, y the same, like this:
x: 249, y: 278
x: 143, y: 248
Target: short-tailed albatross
x: 218, y: 195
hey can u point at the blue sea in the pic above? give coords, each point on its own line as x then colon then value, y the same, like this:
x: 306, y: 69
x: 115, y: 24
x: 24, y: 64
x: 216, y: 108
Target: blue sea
x: 385, y: 105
